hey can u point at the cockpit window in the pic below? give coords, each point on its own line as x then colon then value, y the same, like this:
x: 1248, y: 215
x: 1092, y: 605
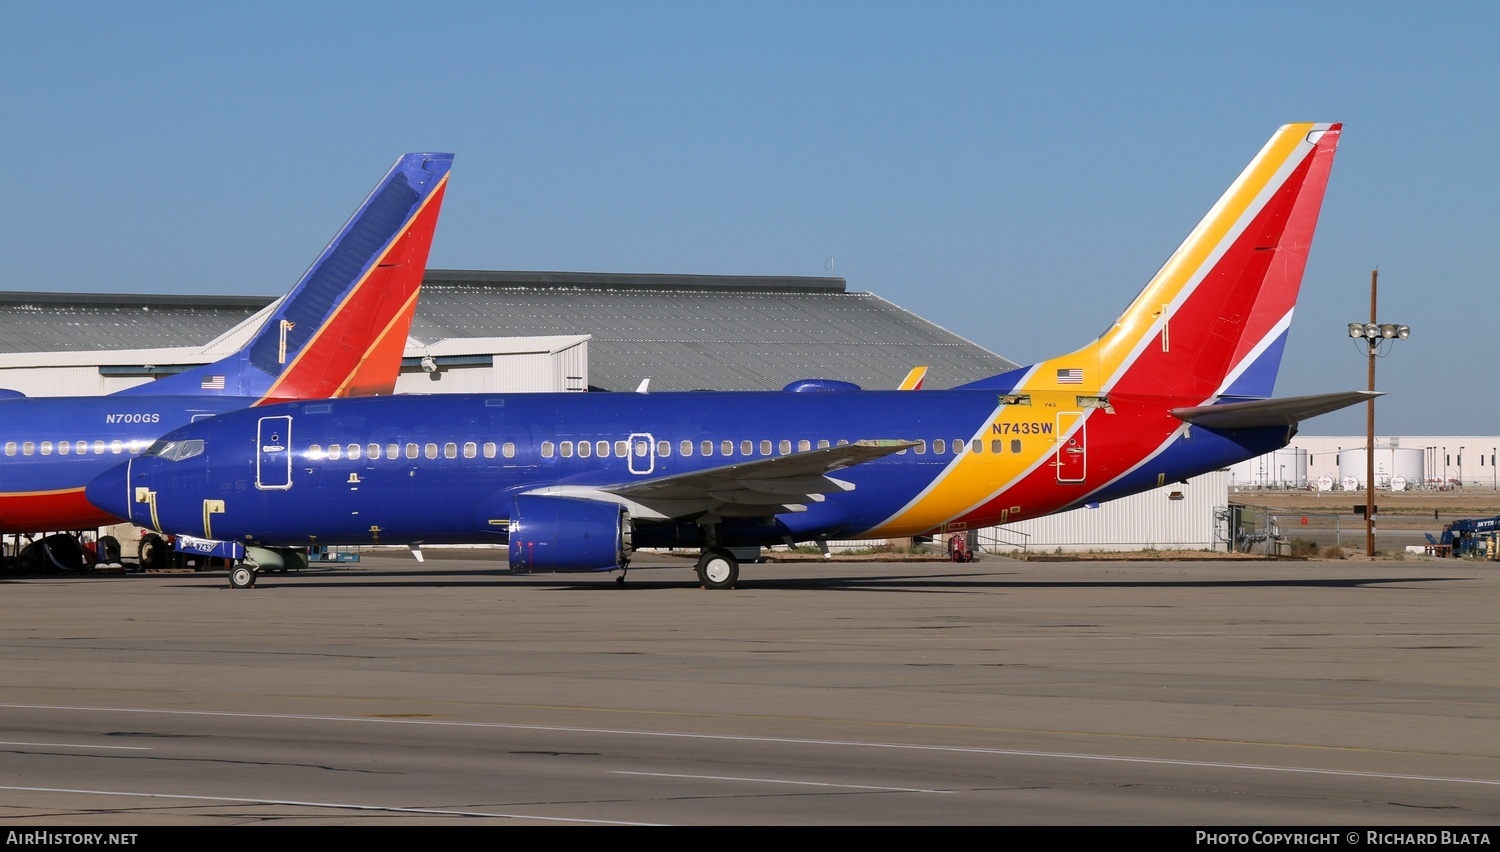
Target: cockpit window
x: 175, y: 450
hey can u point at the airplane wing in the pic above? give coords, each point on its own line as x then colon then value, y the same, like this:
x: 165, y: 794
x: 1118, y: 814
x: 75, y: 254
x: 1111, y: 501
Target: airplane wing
x: 1288, y: 411
x: 759, y: 488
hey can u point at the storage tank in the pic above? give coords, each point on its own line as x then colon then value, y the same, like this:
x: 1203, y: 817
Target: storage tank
x: 1280, y: 469
x: 1391, y: 464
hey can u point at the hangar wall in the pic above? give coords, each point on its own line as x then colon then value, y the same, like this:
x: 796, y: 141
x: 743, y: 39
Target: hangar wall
x: 1174, y: 517
x: 497, y: 365
x: 469, y: 365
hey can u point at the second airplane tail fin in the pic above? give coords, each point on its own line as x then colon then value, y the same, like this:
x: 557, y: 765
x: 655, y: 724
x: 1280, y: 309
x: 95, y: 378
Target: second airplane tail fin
x: 342, y: 330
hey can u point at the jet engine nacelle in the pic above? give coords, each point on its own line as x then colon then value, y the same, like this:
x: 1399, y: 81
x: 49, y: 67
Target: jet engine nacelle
x: 567, y: 534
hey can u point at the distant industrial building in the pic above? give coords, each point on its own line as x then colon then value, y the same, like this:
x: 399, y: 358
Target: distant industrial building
x: 1402, y: 463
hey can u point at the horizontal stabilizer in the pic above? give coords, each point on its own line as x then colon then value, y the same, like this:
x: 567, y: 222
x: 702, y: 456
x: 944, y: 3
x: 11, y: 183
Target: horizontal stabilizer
x: 1270, y: 412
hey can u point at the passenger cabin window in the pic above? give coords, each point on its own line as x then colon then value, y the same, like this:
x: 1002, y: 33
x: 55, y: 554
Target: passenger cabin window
x: 566, y: 449
x: 747, y: 448
x: 392, y: 451
x: 785, y: 448
x: 83, y: 446
x: 46, y: 448
x: 939, y: 446
x: 372, y: 451
x: 10, y: 448
x: 471, y: 449
x: 804, y: 445
x: 509, y: 449
x: 976, y: 446
x: 335, y: 452
x: 115, y: 447
x: 489, y: 449
x: 315, y: 452
x: 685, y: 448
x: 430, y: 451
x: 997, y: 446
x: 585, y: 449
x: 1015, y: 445
x: 28, y: 448
x: 822, y: 443
x: 63, y: 448
x: 707, y: 447
x: 663, y: 448
x: 98, y: 448
x: 622, y: 449
x: 726, y: 448
x: 547, y: 450
x: 355, y: 450
x: 411, y: 451
x: 921, y: 448
x: 601, y: 449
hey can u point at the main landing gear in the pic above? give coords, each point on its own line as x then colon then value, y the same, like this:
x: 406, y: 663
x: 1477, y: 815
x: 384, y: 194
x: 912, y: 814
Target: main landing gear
x: 718, y: 569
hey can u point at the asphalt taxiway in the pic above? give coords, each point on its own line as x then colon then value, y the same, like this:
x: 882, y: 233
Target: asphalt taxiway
x: 998, y: 692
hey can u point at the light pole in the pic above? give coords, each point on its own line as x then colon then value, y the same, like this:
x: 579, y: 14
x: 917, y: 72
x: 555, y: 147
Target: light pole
x: 1373, y: 334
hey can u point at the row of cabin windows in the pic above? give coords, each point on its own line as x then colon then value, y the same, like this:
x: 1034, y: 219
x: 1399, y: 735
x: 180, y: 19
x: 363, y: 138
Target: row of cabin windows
x: 63, y: 448
x: 940, y: 446
x: 394, y: 451
x: 621, y: 449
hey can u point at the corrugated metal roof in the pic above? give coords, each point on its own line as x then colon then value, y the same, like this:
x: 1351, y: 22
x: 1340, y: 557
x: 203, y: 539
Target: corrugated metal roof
x: 683, y: 332
x: 71, y: 322
x: 688, y: 332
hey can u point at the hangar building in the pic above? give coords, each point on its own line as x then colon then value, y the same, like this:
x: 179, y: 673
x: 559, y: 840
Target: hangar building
x: 601, y: 331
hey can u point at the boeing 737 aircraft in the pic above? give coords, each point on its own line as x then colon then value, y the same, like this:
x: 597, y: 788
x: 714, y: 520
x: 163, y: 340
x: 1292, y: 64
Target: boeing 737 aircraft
x: 340, y: 332
x: 1178, y: 386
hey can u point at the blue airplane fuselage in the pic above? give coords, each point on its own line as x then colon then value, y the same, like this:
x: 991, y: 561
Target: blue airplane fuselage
x: 445, y: 469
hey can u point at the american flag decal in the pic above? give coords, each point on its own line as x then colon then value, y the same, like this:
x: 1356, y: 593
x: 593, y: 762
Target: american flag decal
x: 212, y: 383
x: 1069, y: 376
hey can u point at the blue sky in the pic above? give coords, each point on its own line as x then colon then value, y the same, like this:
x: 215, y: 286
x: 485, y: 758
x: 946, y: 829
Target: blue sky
x: 1014, y: 172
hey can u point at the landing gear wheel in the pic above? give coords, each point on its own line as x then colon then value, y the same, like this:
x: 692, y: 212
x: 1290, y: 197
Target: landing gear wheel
x: 152, y: 552
x: 241, y: 577
x: 718, y: 569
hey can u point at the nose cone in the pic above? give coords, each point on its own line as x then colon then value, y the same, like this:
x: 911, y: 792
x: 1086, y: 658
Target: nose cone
x: 110, y: 491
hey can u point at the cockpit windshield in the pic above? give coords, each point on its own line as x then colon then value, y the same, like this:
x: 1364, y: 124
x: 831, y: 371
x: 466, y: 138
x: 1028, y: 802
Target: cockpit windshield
x: 175, y: 450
